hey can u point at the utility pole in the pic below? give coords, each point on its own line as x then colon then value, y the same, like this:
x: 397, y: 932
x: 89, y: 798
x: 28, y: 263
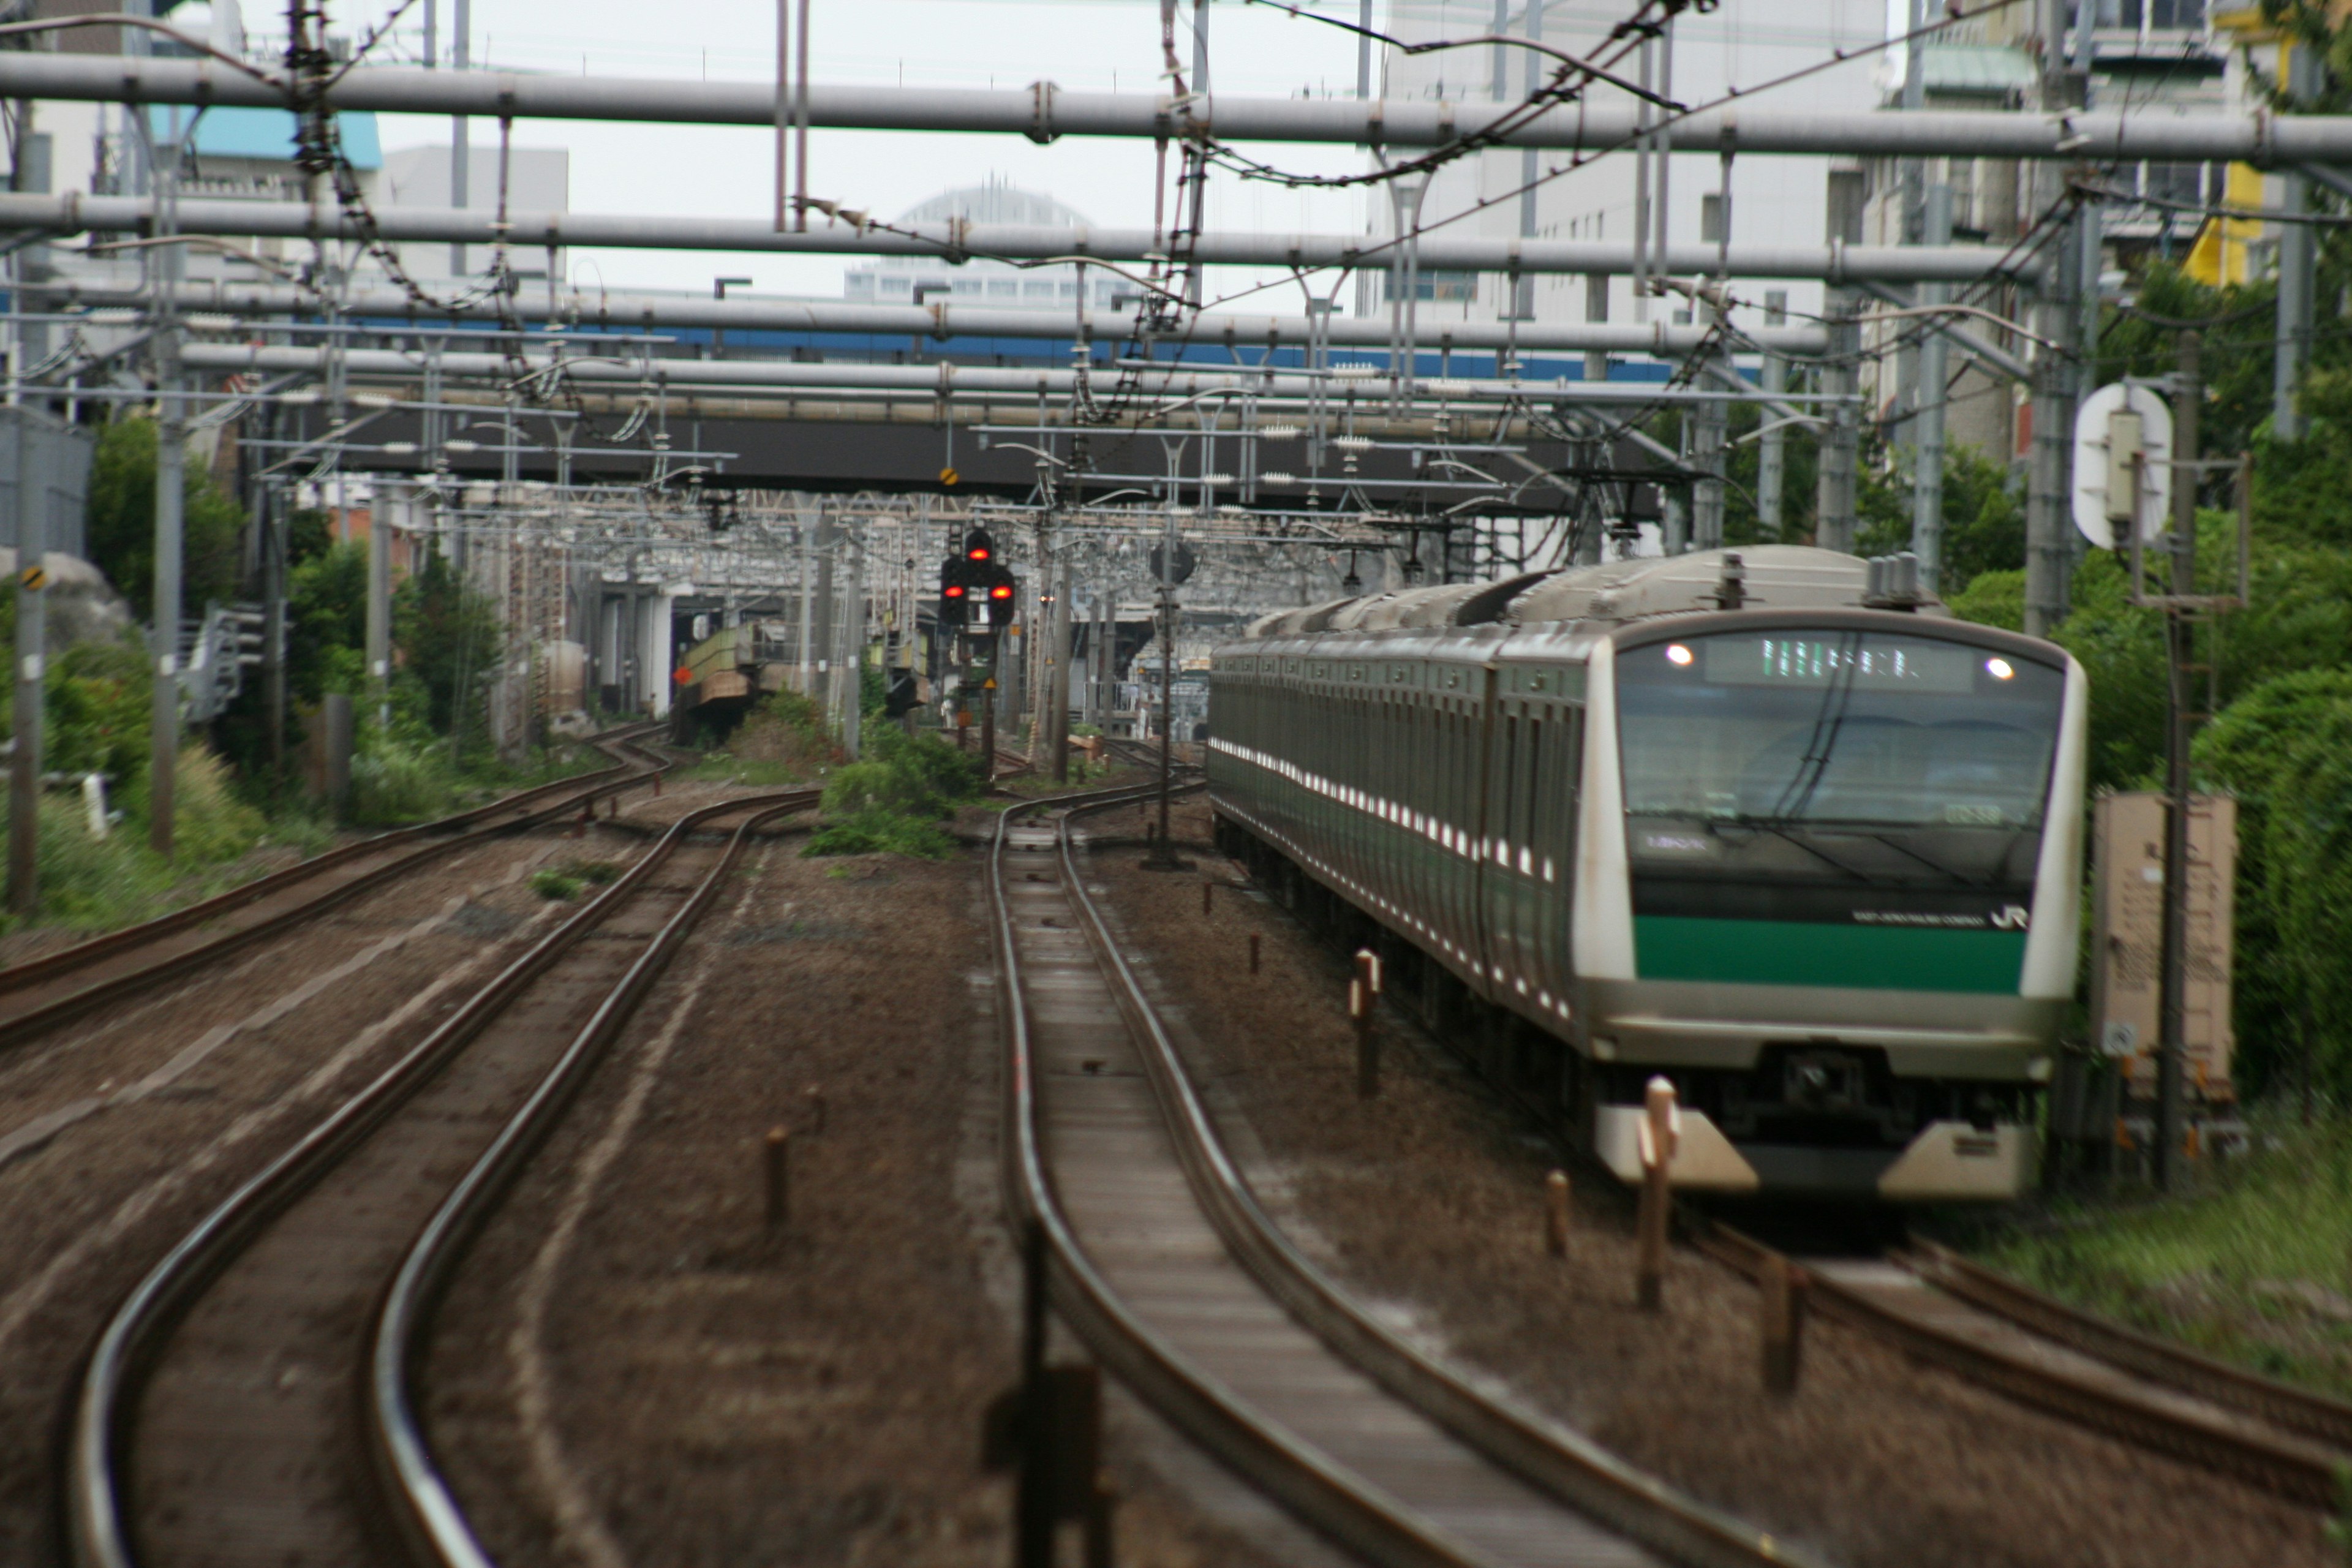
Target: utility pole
x: 461, y: 151
x: 2173, y: 962
x: 1839, y: 376
x: 1364, y: 51
x: 2295, y: 265
x: 393, y: 503
x: 32, y: 615
x: 1772, y: 453
x: 1163, y: 855
x: 1934, y: 369
x: 2049, y: 528
x: 1057, y: 691
x: 171, y: 461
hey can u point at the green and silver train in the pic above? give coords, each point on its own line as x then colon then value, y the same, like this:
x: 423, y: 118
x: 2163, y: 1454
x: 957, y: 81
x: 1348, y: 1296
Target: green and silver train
x: 1810, y: 852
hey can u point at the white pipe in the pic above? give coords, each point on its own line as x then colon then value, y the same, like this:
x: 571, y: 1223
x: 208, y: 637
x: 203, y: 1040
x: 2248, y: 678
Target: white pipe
x: 937, y: 320
x: 1043, y: 111
x: 73, y: 212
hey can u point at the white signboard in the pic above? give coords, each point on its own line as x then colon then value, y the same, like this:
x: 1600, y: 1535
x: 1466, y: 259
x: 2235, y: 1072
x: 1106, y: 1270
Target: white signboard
x: 2092, y: 422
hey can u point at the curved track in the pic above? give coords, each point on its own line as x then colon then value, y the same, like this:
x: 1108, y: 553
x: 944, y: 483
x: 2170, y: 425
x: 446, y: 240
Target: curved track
x: 1940, y: 1306
x: 1164, y: 1263
x: 242, y: 1398
x: 40, y: 994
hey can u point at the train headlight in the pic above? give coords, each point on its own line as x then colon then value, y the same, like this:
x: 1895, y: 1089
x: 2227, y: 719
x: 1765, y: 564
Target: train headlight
x: 1999, y: 668
x: 1676, y: 653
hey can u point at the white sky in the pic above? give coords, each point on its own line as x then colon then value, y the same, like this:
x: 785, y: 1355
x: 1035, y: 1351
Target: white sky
x: 729, y: 173
x: 696, y: 171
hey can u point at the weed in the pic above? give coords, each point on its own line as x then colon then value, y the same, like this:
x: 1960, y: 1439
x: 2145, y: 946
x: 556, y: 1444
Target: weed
x: 2250, y: 1268
x: 554, y: 883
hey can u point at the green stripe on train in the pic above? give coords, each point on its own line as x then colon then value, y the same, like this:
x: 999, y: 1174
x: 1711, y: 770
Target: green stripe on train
x: 1791, y: 953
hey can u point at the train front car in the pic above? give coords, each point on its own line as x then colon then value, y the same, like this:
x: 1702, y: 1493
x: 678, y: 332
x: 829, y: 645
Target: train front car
x: 1830, y: 885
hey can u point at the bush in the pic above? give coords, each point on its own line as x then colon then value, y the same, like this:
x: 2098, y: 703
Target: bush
x: 876, y: 830
x: 892, y: 801
x: 554, y: 884
x: 397, y: 781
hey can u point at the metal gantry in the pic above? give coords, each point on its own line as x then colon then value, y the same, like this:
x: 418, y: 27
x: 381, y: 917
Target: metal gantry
x: 1292, y: 448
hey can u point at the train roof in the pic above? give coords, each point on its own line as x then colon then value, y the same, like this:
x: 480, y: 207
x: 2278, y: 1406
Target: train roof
x: 1771, y: 577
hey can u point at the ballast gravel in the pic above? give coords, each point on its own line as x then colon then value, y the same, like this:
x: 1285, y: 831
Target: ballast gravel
x: 708, y: 1392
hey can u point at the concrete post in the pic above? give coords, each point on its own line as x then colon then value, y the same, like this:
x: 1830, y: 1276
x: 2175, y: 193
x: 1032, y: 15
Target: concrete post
x: 2295, y: 266
x: 1772, y: 453
x: 25, y: 760
x: 392, y: 504
x: 1927, y: 426
x: 1058, y: 697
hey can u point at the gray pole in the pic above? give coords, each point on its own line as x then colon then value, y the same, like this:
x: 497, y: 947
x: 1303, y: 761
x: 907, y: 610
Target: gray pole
x: 1058, y: 692
x: 1772, y: 454
x: 461, y: 152
x: 171, y: 459
x: 1928, y: 449
x: 2173, y: 959
x: 2295, y: 259
x: 1839, y: 376
x: 2049, y: 549
x: 1524, y: 307
x: 379, y: 598
x: 852, y: 662
x: 25, y: 762
x: 1364, y: 52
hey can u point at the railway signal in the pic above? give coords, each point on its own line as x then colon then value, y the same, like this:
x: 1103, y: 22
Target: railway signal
x: 955, y: 593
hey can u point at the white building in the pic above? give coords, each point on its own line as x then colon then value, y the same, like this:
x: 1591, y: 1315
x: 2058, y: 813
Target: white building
x: 538, y: 180
x: 1000, y: 285
x: 1775, y: 200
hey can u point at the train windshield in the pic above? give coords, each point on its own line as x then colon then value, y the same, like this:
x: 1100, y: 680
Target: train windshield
x: 1935, y: 755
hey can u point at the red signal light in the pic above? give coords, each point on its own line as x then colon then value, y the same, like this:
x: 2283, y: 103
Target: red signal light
x: 979, y: 552
x: 1002, y: 591
x: 952, y: 590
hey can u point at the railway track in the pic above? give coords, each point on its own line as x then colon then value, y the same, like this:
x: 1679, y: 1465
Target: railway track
x: 251, y: 1400
x: 40, y: 995
x: 1164, y: 1264
x: 1936, y: 1306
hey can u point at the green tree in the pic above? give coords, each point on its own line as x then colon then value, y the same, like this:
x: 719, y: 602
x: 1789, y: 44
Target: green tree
x: 120, y: 521
x: 2259, y: 749
x: 447, y: 637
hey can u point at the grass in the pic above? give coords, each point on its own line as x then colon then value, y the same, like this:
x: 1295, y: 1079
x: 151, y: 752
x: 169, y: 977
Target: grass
x: 894, y: 800
x: 2255, y: 1267
x: 90, y: 884
x: 566, y: 879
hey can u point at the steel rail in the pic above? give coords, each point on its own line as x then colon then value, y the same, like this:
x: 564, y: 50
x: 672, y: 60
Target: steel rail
x: 1043, y: 111
x: 1560, y: 1462
x: 97, y: 1529
x: 2168, y: 1419
x: 431, y: 839
x: 2282, y: 1404
x: 429, y: 1509
x: 72, y: 212
x: 1198, y: 1405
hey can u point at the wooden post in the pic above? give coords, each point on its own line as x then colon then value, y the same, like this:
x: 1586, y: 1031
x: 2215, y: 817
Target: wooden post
x: 1361, y: 990
x: 1556, y: 1212
x: 1253, y: 953
x: 1660, y: 1125
x: 1782, y: 1308
x: 1208, y: 893
x: 778, y: 1154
